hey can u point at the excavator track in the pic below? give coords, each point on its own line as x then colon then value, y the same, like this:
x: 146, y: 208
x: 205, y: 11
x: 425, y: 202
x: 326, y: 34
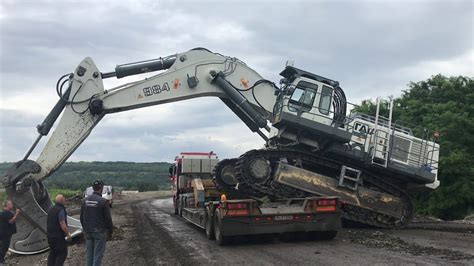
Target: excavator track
x: 224, y: 173
x: 273, y: 189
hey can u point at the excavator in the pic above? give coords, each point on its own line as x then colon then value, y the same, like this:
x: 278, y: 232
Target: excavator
x: 315, y: 143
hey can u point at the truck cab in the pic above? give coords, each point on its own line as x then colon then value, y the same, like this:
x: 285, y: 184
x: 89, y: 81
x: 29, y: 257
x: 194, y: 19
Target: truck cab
x: 190, y: 173
x: 107, y: 193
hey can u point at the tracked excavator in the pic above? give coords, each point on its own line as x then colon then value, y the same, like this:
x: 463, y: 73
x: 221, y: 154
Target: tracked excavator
x: 314, y: 143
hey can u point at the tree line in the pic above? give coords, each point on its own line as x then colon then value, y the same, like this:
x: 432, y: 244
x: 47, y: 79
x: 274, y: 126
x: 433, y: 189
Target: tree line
x: 446, y: 106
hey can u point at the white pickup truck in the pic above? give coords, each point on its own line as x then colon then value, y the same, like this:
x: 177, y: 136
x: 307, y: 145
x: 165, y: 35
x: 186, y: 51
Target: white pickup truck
x: 107, y: 193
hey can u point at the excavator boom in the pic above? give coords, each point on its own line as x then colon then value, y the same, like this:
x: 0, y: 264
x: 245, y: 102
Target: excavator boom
x: 84, y: 102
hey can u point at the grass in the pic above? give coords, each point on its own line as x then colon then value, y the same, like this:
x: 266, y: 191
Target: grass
x: 66, y: 192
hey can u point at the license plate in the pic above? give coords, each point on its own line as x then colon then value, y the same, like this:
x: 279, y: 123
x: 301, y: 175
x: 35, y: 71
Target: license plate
x: 283, y: 217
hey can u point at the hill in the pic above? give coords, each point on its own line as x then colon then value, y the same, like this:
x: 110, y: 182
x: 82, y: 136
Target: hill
x: 128, y: 175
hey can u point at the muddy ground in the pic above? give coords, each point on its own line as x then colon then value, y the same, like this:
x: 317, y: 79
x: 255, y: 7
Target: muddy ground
x: 148, y: 233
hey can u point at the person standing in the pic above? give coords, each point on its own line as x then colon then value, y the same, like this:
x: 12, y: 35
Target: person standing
x: 97, y: 224
x: 7, y: 227
x: 57, y: 231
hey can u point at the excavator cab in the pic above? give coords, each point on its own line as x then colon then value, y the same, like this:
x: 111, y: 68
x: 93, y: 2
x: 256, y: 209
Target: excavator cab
x: 310, y: 108
x: 302, y: 98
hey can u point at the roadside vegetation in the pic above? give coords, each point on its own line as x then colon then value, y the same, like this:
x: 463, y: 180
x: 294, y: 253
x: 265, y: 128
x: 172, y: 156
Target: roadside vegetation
x: 444, y: 105
x: 3, y: 196
x: 68, y: 193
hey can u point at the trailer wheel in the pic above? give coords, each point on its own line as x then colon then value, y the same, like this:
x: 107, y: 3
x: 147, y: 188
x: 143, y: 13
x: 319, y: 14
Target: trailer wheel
x: 181, y: 203
x: 176, y: 206
x: 220, y: 239
x: 323, y: 235
x: 209, y: 223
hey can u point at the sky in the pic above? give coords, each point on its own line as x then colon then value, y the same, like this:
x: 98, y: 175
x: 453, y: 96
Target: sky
x: 373, y: 48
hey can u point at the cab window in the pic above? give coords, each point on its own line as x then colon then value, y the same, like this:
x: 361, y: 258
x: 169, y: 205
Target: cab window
x: 325, y: 100
x: 303, y: 96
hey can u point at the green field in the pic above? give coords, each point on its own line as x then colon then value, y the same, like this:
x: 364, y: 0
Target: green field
x: 66, y: 192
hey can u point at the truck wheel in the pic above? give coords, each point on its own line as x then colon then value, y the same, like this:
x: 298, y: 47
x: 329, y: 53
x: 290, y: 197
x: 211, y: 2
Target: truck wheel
x: 220, y: 239
x: 323, y: 235
x: 209, y: 223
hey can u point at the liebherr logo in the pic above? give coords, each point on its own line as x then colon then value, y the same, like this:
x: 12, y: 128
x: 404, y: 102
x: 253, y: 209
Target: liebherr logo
x: 363, y: 128
x: 155, y: 89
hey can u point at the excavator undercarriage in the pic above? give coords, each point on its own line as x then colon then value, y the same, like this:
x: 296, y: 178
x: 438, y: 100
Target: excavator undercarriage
x: 290, y: 172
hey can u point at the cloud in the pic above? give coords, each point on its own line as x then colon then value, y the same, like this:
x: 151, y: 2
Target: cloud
x: 372, y: 47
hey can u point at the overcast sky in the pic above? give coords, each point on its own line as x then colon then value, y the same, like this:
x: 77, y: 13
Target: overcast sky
x: 372, y: 48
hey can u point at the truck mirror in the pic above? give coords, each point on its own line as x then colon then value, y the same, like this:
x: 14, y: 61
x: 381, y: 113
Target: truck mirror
x: 171, y: 170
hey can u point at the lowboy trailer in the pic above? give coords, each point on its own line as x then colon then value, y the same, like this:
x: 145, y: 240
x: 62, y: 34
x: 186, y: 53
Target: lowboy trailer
x: 224, y: 215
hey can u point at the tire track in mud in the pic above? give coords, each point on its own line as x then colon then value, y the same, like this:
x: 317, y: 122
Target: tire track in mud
x: 158, y: 236
x: 156, y: 245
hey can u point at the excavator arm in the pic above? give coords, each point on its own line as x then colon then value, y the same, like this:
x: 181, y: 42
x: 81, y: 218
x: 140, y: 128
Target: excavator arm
x: 84, y: 102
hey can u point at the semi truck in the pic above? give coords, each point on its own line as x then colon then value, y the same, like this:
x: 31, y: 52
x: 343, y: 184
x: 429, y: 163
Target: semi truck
x: 224, y: 214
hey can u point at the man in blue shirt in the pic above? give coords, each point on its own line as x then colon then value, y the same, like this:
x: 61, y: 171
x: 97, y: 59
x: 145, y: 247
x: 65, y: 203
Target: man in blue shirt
x: 7, y: 228
x: 57, y: 232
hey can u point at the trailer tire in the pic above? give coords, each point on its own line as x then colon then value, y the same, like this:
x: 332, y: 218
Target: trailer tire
x: 176, y: 206
x: 209, y: 224
x: 220, y: 239
x: 181, y: 203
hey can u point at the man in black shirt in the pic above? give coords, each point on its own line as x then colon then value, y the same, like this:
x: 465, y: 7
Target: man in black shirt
x: 97, y: 224
x: 7, y: 227
x: 57, y: 232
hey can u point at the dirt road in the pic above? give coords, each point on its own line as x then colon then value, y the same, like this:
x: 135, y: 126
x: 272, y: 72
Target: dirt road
x: 148, y: 233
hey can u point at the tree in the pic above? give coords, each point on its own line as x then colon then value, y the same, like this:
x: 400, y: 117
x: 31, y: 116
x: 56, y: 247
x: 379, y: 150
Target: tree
x: 445, y: 105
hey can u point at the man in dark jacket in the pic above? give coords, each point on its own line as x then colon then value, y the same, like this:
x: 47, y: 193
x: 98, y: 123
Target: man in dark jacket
x: 57, y: 231
x: 97, y: 224
x: 7, y: 228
